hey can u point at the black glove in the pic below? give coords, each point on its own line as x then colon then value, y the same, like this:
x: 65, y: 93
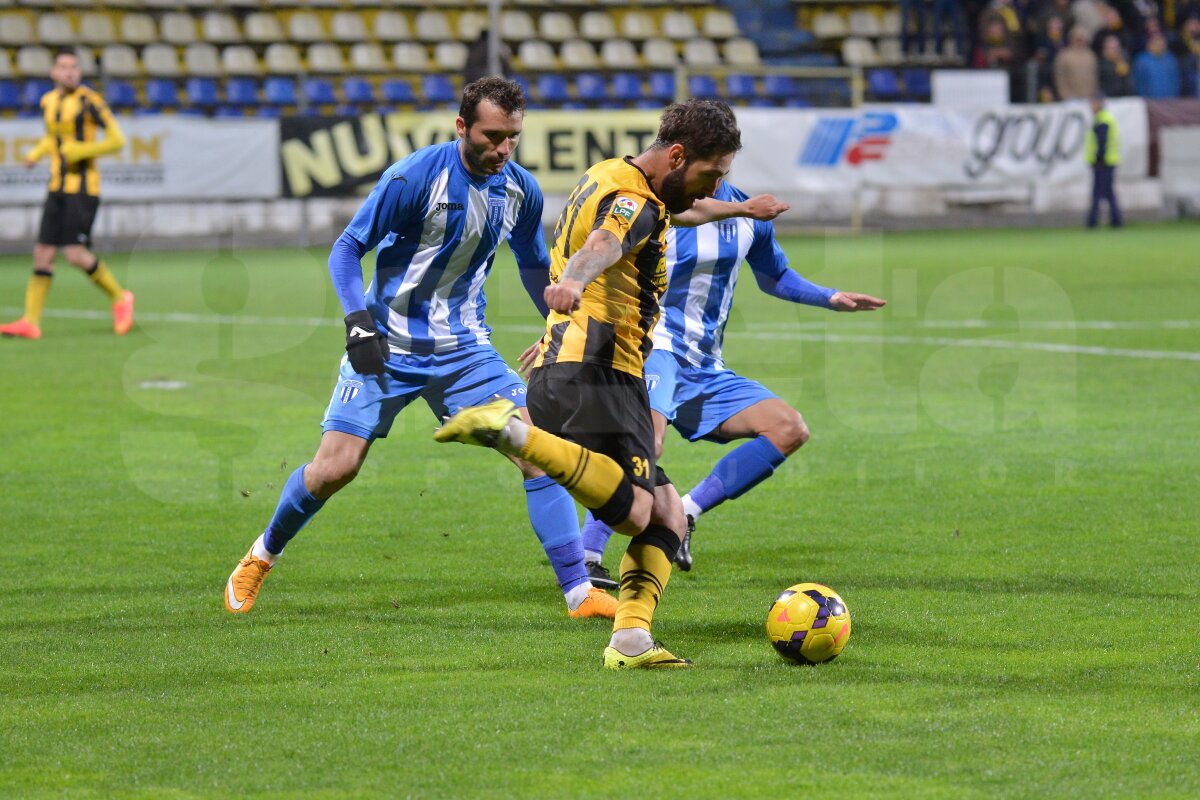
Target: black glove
x: 366, y: 347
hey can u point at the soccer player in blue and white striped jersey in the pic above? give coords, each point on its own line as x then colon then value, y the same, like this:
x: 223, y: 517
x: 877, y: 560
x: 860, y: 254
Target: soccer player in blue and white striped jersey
x: 418, y: 331
x: 690, y: 386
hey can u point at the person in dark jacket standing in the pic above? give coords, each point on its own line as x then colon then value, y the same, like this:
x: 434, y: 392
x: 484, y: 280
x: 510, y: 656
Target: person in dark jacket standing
x: 1103, y: 151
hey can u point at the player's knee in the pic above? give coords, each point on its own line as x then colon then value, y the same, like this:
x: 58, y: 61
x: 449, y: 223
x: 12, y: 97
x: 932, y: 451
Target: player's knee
x: 327, y: 474
x: 639, y: 513
x: 790, y: 433
x: 79, y: 257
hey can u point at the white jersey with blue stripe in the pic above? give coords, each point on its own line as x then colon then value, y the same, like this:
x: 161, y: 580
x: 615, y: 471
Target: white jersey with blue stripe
x: 437, y: 228
x: 702, y: 272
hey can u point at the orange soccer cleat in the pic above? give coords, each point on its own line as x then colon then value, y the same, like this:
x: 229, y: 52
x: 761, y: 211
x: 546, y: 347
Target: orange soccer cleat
x: 123, y: 314
x: 22, y: 328
x: 598, y: 603
x: 241, y: 590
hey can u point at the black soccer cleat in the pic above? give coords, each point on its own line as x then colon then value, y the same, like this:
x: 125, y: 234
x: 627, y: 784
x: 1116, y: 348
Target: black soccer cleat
x: 683, y: 556
x: 599, y: 576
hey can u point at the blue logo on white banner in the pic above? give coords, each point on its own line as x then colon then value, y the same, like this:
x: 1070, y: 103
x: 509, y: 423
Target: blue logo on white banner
x: 350, y: 390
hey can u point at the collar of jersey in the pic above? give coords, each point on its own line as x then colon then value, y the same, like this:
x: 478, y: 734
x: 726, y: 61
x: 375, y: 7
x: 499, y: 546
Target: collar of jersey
x: 477, y: 180
x: 645, y: 178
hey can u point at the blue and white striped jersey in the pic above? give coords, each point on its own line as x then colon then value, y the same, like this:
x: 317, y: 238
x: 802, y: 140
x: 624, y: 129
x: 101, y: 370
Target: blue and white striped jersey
x: 437, y: 228
x: 702, y: 272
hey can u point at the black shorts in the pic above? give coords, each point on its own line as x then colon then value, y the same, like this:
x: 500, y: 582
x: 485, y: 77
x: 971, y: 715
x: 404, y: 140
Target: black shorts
x: 603, y: 409
x: 67, y: 219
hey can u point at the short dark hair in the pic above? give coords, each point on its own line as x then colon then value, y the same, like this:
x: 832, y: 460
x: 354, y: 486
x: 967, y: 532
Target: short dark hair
x: 504, y: 93
x: 706, y: 129
x: 66, y: 51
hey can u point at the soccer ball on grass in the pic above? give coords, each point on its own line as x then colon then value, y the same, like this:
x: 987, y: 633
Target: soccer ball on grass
x: 808, y: 623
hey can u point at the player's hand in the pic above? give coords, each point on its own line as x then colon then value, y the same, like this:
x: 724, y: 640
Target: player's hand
x: 30, y: 163
x: 365, y: 345
x: 525, y: 363
x: 853, y: 301
x: 564, y: 296
x: 764, y: 207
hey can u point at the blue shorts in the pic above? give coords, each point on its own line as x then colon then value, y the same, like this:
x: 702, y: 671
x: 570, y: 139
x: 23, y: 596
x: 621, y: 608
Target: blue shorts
x: 698, y: 400
x: 366, y: 405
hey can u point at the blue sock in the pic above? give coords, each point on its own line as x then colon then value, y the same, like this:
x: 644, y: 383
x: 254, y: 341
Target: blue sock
x: 556, y: 523
x: 745, y: 467
x: 595, y: 534
x: 296, y: 507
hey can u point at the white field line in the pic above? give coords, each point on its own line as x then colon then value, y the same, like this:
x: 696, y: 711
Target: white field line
x: 774, y: 332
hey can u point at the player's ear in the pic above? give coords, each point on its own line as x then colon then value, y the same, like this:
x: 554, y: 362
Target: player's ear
x: 677, y: 155
x: 460, y: 126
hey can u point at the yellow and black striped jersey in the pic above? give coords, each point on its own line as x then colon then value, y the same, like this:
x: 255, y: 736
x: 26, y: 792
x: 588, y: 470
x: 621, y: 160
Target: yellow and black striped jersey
x: 612, y: 327
x: 72, y: 121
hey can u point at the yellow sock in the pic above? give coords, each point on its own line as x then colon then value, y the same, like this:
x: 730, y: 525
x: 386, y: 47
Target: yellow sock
x: 35, y: 296
x: 645, y: 570
x: 591, y: 478
x: 107, y: 283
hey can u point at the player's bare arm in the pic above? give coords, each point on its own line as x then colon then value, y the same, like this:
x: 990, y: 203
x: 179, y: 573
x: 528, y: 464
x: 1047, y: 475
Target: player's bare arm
x: 763, y: 207
x: 601, y: 250
x: 853, y: 301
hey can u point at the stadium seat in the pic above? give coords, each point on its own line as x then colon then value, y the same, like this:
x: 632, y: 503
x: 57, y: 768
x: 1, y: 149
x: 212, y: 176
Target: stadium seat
x: 741, y: 53
x: 552, y: 89
x: 160, y: 60
x: 137, y: 28
x: 470, y: 25
x: 367, y: 57
x: 10, y: 95
x: 659, y: 53
x: 220, y: 28
x: 98, y: 28
x: 268, y: 112
x: 201, y: 92
x: 318, y: 91
x: 87, y: 61
x: 34, y: 61
x: 16, y: 28
x: 6, y: 65
x: 227, y: 112
x: 701, y: 53
x: 590, y: 86
x: 178, y: 27
x: 890, y: 51
x: 679, y: 25
x: 119, y: 94
x: 523, y: 82
x: 829, y: 25
x: 556, y: 26
x: 717, y: 23
x: 239, y: 59
x: 279, y: 91
x: 917, y: 83
x: 410, y: 57
x: 516, y: 26
x: 578, y: 54
x: 347, y: 27
x: 161, y: 93
x: 391, y: 26
x: 397, y: 92
x: 120, y: 61
x: 780, y: 87
x: 618, y: 54
x: 282, y: 59
x: 357, y: 90
x: 536, y: 55
x: 450, y: 56
x: 740, y: 87
x: 201, y: 58
x: 438, y: 89
x: 55, y: 29
x: 662, y: 86
x: 858, y: 52
x: 433, y: 26
x: 306, y: 27
x: 882, y: 84
x: 597, y: 26
x: 703, y: 87
x: 32, y: 91
x: 627, y: 86
x: 638, y: 25
x: 324, y: 57
x: 241, y: 92
x: 263, y: 28
x: 864, y: 22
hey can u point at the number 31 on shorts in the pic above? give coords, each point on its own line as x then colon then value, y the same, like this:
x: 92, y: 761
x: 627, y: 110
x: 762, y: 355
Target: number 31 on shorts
x: 641, y: 466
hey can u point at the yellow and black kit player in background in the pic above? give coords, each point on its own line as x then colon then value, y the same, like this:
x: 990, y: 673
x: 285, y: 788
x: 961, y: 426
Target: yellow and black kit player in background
x: 74, y: 114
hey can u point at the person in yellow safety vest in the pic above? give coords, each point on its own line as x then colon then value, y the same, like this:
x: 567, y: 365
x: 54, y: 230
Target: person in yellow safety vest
x: 1103, y: 152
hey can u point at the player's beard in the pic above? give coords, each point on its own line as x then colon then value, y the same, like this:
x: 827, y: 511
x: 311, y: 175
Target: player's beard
x: 674, y: 197
x: 476, y: 162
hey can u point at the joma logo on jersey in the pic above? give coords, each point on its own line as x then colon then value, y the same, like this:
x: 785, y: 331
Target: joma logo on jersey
x: 448, y: 207
x: 853, y: 139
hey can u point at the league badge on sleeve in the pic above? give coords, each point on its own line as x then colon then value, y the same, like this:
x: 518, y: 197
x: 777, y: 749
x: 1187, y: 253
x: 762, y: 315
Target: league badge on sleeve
x: 625, y: 208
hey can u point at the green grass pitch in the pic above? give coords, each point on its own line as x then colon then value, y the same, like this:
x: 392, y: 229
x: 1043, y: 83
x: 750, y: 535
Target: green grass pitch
x: 1002, y: 482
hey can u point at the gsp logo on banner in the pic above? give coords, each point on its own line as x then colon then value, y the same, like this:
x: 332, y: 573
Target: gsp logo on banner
x: 852, y: 139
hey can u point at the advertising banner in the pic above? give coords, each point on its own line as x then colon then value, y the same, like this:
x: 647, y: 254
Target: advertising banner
x: 164, y: 158
x: 323, y: 156
x: 907, y: 146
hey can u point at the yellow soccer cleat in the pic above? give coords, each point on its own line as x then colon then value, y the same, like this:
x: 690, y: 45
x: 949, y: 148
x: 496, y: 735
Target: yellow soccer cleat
x: 657, y: 657
x: 241, y: 590
x: 123, y: 314
x: 598, y: 603
x: 477, y: 425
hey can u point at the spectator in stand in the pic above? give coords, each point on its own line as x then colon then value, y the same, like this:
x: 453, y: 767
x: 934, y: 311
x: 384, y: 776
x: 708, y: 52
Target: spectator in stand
x: 1103, y: 153
x: 1114, y: 25
x: 1116, y: 76
x: 477, y: 59
x: 1089, y: 15
x: 1049, y: 45
x: 1054, y: 8
x: 1076, y: 71
x: 949, y: 10
x: 996, y: 44
x: 1189, y: 56
x: 914, y: 11
x: 1155, y: 70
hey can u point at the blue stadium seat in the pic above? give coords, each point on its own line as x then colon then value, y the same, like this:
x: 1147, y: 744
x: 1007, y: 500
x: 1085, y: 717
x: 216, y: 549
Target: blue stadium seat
x: 120, y: 95
x: 202, y: 92
x: 397, y: 92
x: 917, y: 84
x: 523, y: 82
x: 627, y: 86
x: 798, y: 102
x: 269, y: 112
x: 740, y: 87
x: 10, y: 96
x: 662, y: 86
x: 817, y: 60
x: 590, y: 86
x: 318, y: 91
x: 703, y: 87
x: 357, y: 90
x: 227, y: 111
x: 438, y: 89
x: 162, y: 93
x: 553, y: 89
x: 32, y: 91
x: 191, y: 111
x: 883, y: 84
x: 279, y: 91
x: 241, y: 92
x: 780, y: 87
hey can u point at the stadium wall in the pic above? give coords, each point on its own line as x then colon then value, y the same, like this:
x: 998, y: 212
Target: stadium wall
x: 298, y: 180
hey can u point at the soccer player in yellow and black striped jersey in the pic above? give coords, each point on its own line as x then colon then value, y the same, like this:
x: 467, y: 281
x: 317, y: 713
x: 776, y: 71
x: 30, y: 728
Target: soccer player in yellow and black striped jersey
x: 74, y: 115
x: 592, y: 430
